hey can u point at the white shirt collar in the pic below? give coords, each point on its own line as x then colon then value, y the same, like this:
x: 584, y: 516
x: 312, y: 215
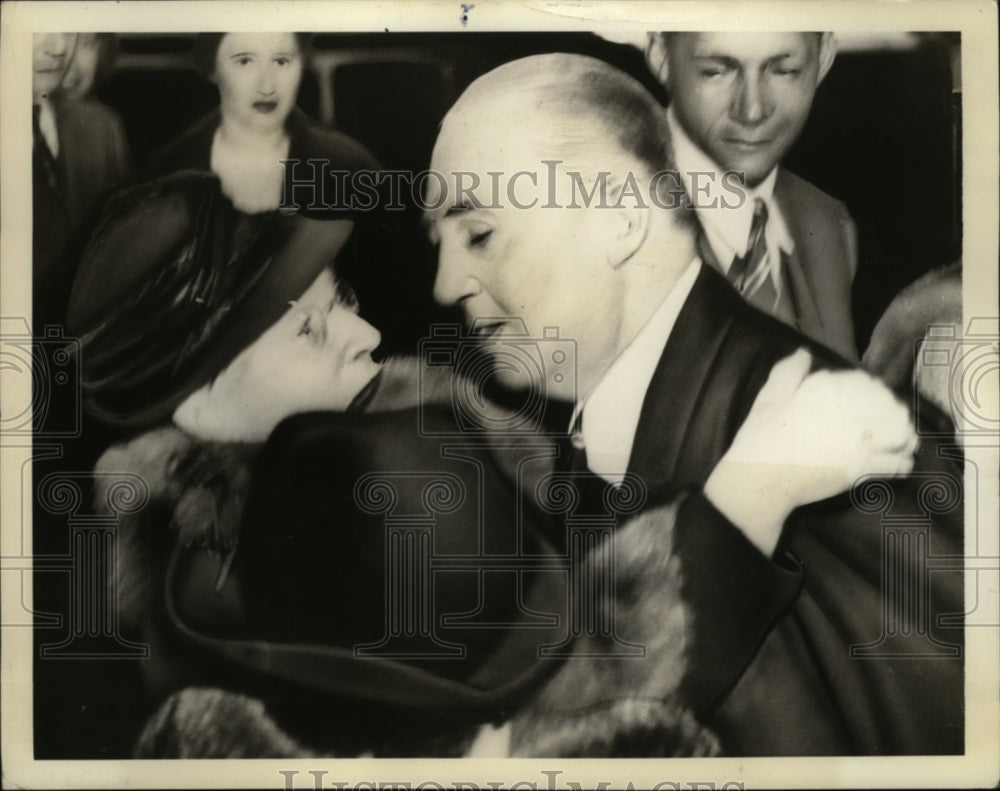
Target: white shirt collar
x: 724, y: 217
x: 611, y: 412
x: 47, y: 125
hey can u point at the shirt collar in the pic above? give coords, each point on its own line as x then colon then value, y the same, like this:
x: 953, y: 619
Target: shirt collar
x: 725, y: 219
x: 610, y: 414
x: 47, y: 125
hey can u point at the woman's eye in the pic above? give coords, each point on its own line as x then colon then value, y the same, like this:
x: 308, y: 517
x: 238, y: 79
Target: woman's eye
x: 282, y: 61
x: 244, y: 61
x: 306, y: 327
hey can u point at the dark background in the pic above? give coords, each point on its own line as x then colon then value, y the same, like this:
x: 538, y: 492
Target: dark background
x: 884, y: 137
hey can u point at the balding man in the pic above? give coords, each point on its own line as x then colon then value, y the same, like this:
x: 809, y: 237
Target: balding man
x: 576, y: 219
x: 738, y: 101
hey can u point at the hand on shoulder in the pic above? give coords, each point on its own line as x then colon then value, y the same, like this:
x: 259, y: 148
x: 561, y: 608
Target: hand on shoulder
x: 808, y: 436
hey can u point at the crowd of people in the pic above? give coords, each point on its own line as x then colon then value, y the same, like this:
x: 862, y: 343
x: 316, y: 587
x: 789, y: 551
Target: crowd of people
x: 718, y: 585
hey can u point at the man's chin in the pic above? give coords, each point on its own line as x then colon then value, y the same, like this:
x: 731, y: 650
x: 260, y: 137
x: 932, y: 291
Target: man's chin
x: 755, y: 167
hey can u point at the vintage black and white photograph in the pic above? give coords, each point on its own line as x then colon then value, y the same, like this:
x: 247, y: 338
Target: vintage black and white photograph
x: 493, y: 382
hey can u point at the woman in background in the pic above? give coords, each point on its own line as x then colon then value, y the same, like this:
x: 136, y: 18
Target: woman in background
x: 258, y: 126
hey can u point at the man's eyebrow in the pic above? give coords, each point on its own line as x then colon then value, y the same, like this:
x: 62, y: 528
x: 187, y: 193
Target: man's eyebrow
x: 458, y: 208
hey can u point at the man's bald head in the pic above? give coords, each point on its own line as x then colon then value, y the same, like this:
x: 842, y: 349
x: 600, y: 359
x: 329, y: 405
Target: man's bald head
x: 518, y: 242
x: 576, y: 110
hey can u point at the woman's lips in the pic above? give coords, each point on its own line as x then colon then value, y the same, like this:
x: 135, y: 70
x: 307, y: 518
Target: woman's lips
x: 265, y: 107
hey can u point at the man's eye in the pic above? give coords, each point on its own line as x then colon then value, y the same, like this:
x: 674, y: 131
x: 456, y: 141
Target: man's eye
x: 714, y: 71
x: 305, y: 328
x: 787, y: 72
x: 480, y: 238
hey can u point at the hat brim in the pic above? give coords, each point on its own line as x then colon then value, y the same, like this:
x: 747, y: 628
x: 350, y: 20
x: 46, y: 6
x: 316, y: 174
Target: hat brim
x: 199, y: 612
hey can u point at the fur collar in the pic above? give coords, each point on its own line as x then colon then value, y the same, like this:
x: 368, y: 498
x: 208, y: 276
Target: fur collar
x: 197, y: 491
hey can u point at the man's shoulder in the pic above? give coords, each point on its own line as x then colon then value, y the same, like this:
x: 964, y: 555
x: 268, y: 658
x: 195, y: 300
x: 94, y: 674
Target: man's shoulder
x: 310, y: 140
x: 86, y: 114
x: 794, y: 193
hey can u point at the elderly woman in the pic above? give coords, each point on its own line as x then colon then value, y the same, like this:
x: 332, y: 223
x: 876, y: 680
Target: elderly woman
x: 214, y: 331
x: 201, y: 329
x: 200, y: 324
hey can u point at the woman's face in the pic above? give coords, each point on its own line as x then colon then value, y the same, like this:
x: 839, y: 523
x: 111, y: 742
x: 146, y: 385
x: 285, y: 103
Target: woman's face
x: 258, y: 75
x: 315, y: 357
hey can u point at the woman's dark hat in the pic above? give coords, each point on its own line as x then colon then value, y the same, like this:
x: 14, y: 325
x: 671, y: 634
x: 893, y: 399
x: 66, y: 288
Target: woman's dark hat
x: 175, y: 283
x: 384, y: 567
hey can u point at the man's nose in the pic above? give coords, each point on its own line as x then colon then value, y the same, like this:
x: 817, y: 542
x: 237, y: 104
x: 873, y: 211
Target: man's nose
x: 751, y: 104
x: 452, y: 284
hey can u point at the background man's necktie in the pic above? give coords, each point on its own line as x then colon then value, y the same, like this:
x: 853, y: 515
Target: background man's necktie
x: 745, y: 274
x: 752, y: 276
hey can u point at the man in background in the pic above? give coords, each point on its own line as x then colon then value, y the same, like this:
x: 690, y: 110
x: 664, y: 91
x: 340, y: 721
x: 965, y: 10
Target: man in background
x: 738, y: 101
x: 80, y: 155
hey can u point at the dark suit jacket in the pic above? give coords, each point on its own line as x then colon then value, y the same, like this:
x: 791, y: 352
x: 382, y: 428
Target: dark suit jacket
x: 93, y: 161
x: 774, y: 665
x: 822, y: 266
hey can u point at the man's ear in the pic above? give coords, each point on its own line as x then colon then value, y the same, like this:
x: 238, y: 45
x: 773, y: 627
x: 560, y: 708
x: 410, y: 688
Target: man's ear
x: 630, y: 227
x: 656, y: 57
x: 827, y: 53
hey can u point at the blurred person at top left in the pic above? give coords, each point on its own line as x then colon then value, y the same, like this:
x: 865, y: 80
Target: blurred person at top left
x: 80, y: 155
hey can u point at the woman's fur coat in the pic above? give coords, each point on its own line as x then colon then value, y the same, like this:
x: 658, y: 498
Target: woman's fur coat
x: 589, y: 707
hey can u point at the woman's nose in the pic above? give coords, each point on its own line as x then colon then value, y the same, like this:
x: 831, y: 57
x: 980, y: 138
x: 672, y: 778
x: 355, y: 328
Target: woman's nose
x: 265, y: 81
x: 347, y: 330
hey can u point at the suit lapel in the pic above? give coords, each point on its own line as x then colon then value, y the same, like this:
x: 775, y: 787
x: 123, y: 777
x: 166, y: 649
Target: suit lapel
x: 673, y: 409
x: 805, y: 301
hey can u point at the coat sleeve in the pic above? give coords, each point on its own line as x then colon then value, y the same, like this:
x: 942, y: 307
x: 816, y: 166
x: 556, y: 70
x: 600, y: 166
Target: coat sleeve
x: 859, y: 612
